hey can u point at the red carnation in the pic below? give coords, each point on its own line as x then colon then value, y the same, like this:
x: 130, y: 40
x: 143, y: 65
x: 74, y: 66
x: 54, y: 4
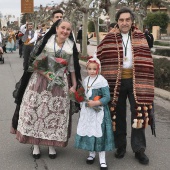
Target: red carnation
x: 78, y: 97
x: 61, y: 61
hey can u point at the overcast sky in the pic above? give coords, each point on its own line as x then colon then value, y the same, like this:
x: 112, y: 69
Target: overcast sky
x: 14, y: 6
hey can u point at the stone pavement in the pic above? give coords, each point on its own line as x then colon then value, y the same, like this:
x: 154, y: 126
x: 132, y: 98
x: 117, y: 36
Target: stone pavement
x: 17, y: 156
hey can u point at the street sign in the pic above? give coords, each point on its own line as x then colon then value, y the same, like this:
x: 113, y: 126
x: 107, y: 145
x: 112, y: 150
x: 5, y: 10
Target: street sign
x: 27, y: 6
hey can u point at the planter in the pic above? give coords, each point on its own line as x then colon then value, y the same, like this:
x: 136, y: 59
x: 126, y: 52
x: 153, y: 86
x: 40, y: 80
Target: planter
x: 162, y: 52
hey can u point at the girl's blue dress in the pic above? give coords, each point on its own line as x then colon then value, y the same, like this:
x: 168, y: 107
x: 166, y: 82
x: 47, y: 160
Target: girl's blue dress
x: 106, y: 142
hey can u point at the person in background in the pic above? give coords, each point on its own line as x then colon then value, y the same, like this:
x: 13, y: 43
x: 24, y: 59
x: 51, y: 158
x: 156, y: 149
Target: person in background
x: 5, y: 35
x: 11, y: 43
x: 127, y: 65
x: 56, y: 15
x: 41, y: 32
x: 17, y: 39
x: 29, y: 38
x: 79, y: 37
x: 1, y: 49
x: 111, y: 26
x: 149, y: 38
x: 0, y: 38
x: 20, y: 43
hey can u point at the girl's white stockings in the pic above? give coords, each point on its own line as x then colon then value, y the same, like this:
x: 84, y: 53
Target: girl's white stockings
x: 36, y: 150
x: 102, y: 159
x: 52, y: 150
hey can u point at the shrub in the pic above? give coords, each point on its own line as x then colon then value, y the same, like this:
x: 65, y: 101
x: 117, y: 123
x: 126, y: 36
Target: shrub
x: 91, y: 27
x: 157, y: 19
x: 162, y: 73
x: 161, y: 43
x: 162, y: 52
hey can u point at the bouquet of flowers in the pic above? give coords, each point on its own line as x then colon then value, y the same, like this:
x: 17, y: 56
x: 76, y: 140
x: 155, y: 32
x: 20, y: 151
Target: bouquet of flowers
x: 53, y: 65
x: 78, y: 96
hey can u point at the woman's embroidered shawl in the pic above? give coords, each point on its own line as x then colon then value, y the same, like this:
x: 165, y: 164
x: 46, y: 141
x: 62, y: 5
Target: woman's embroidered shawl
x: 110, y: 53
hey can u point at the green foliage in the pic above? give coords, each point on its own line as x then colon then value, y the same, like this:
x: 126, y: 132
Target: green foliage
x: 101, y: 28
x: 91, y: 27
x: 23, y: 19
x: 157, y: 19
x: 161, y: 43
x: 162, y: 73
x: 162, y: 52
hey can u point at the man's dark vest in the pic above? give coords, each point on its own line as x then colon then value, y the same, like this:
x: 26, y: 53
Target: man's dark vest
x: 25, y: 36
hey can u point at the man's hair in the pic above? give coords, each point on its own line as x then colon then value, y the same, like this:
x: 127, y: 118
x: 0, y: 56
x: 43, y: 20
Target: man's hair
x: 57, y: 11
x: 124, y: 10
x: 30, y: 23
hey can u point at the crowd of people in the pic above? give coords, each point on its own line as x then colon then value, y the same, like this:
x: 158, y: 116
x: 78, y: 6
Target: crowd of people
x: 121, y: 68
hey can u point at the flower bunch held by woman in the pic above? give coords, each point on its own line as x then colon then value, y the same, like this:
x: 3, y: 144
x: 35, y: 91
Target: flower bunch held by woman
x: 53, y: 66
x: 44, y: 115
x: 94, y: 130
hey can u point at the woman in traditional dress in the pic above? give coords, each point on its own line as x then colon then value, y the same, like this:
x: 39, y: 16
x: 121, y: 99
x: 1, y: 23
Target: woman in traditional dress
x: 10, y: 45
x: 44, y: 116
x: 5, y: 35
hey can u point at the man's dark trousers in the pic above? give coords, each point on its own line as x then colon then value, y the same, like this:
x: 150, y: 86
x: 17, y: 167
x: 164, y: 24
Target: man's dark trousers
x: 26, y: 54
x: 138, y: 141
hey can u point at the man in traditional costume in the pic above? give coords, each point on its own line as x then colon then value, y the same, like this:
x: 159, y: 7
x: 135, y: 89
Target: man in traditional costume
x: 127, y: 64
x: 28, y: 39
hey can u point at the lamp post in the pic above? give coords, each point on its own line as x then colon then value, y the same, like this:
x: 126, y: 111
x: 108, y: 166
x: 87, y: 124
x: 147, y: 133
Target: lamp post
x: 99, y: 3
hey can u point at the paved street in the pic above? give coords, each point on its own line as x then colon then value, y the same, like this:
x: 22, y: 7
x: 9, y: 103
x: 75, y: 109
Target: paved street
x: 17, y: 156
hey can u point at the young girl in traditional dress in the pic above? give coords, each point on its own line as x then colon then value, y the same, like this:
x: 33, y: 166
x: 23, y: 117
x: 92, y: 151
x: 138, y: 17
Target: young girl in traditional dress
x: 94, y: 130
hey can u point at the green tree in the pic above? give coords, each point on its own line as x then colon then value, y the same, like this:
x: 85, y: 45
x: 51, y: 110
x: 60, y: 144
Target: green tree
x: 91, y: 27
x: 23, y: 18
x: 157, y: 19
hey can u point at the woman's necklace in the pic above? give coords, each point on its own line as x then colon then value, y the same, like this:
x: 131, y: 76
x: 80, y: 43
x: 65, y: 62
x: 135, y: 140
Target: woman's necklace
x: 89, y: 86
x: 59, y: 52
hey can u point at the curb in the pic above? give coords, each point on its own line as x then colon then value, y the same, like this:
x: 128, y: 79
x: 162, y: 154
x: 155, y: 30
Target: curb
x: 157, y: 91
x: 162, y: 93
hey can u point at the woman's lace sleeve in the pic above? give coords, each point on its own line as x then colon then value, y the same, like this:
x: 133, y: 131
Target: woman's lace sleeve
x: 71, y: 64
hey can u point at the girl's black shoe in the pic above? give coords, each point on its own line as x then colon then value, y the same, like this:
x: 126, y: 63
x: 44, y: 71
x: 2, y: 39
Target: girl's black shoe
x: 103, y: 168
x: 36, y: 156
x: 90, y: 161
x: 52, y: 156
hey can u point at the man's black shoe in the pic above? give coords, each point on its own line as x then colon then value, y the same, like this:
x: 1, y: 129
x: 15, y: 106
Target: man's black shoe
x: 142, y: 158
x: 120, y: 153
